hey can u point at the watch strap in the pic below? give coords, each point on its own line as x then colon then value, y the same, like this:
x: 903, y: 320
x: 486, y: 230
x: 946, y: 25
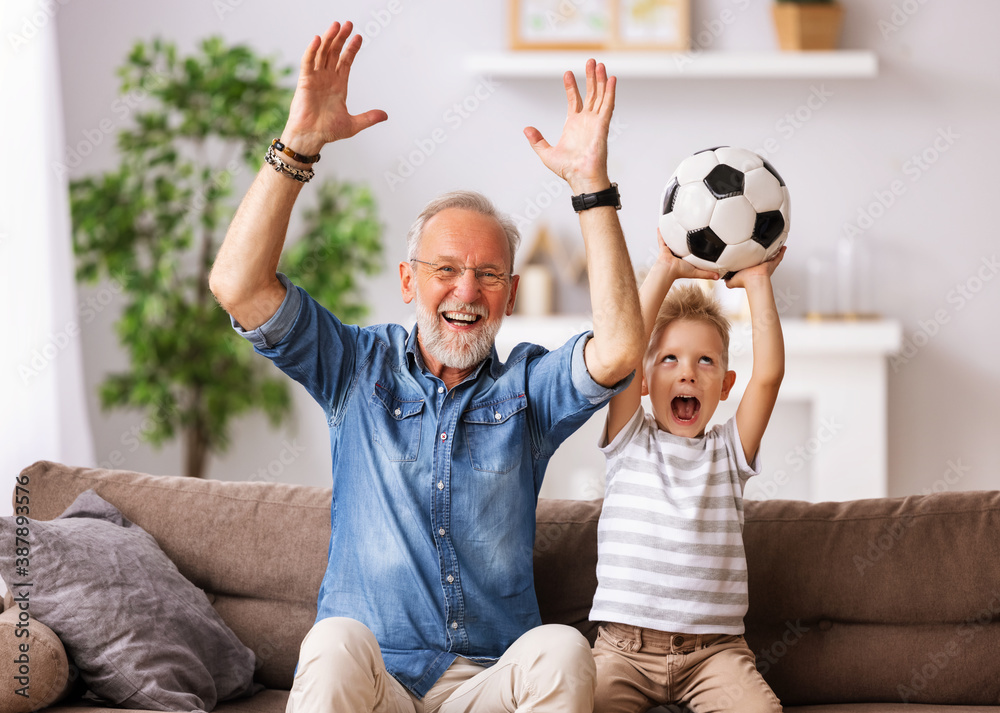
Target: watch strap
x: 607, y: 197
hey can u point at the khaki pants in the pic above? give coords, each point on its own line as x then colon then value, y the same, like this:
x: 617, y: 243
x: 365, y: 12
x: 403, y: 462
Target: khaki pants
x: 548, y: 669
x: 639, y: 668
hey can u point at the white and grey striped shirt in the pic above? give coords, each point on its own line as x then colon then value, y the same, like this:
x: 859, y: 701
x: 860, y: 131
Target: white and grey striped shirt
x: 670, y: 537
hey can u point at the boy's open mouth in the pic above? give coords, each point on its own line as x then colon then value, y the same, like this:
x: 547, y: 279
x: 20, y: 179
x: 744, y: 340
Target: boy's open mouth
x: 460, y: 319
x: 685, y: 408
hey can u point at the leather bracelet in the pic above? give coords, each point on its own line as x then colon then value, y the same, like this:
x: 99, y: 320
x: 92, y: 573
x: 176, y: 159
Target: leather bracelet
x: 302, y: 175
x: 301, y: 158
x: 607, y: 197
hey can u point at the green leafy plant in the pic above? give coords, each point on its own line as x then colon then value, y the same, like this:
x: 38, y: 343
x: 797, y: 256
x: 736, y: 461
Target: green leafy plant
x: 155, y: 224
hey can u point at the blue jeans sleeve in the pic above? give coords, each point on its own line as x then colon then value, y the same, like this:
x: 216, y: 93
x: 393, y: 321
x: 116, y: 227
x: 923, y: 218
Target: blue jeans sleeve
x: 308, y: 343
x: 563, y: 395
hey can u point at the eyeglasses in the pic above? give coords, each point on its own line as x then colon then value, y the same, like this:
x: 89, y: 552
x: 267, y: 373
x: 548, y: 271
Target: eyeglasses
x: 449, y: 273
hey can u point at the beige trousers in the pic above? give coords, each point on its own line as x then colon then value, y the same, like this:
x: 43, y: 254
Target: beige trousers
x: 639, y: 668
x: 548, y: 669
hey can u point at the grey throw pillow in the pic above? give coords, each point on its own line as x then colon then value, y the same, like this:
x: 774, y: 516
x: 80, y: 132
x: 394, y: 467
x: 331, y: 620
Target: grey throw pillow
x: 142, y: 635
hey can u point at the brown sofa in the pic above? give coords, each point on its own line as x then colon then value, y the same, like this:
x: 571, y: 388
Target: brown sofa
x: 872, y: 605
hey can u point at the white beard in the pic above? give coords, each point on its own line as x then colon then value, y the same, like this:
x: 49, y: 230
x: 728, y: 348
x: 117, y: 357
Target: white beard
x: 455, y: 350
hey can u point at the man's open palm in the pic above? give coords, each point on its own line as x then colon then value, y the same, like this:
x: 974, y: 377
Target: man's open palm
x: 319, y: 107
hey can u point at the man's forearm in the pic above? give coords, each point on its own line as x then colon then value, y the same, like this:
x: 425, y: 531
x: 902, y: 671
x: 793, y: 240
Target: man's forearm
x: 618, y: 329
x: 243, y: 276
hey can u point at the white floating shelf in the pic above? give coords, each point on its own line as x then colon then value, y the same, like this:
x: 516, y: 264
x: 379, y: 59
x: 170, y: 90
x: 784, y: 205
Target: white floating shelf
x: 858, y: 64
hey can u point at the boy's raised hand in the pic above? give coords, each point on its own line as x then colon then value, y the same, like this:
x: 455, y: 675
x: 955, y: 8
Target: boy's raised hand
x: 318, y: 114
x: 581, y: 155
x: 765, y: 269
x: 677, y: 268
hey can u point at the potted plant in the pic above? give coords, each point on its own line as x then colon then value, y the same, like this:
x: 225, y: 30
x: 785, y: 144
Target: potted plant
x: 154, y: 225
x: 808, y: 24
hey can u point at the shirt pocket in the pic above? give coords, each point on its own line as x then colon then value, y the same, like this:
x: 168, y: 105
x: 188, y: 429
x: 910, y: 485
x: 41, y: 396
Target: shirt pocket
x: 397, y: 424
x: 495, y: 433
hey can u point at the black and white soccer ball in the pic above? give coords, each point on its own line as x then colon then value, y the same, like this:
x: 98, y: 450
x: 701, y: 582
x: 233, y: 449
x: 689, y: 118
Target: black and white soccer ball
x: 725, y: 209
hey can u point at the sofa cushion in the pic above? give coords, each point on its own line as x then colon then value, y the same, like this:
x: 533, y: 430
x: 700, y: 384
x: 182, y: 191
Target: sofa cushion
x: 33, y: 667
x: 141, y: 634
x: 894, y: 599
x: 258, y: 549
x: 566, y: 562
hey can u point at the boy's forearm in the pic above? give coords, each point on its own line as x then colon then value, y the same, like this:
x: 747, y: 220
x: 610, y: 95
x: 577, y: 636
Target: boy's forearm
x: 654, y: 289
x: 768, y: 341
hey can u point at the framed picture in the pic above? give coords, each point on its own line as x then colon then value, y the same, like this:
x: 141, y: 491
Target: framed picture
x: 653, y: 24
x: 562, y: 24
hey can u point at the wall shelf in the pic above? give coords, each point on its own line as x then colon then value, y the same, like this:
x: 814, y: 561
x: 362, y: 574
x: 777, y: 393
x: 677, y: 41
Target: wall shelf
x: 842, y: 64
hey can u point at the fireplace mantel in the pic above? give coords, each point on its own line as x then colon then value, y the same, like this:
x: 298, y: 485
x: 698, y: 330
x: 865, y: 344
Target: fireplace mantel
x: 838, y: 369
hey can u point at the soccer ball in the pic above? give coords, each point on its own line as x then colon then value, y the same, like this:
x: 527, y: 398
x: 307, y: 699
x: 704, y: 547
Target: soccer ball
x: 725, y: 209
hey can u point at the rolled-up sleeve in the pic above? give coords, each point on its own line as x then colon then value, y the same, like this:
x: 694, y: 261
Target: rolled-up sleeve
x: 595, y: 393
x: 280, y: 323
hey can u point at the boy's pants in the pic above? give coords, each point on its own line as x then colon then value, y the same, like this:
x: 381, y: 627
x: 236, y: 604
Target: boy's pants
x: 639, y: 668
x: 548, y: 669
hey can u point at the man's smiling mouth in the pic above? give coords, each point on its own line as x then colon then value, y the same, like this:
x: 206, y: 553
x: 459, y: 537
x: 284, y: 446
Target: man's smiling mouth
x: 460, y: 318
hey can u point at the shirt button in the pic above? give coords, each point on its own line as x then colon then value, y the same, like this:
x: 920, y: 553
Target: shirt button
x: 440, y: 389
x: 450, y: 579
x: 454, y: 625
x: 497, y: 416
x: 444, y: 436
x: 397, y: 412
x: 440, y: 485
x: 441, y: 531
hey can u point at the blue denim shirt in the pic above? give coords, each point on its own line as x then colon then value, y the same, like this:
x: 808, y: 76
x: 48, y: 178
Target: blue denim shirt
x: 434, y: 490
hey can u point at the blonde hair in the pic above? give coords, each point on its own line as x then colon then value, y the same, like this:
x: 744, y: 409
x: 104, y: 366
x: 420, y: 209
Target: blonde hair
x: 692, y: 303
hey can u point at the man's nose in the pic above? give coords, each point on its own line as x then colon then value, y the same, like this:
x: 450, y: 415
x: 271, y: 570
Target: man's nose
x: 467, y: 286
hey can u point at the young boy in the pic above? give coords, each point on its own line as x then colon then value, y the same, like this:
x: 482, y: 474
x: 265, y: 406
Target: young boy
x: 672, y: 576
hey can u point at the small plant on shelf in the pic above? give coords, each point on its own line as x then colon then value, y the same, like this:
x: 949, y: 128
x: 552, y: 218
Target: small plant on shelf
x: 808, y: 24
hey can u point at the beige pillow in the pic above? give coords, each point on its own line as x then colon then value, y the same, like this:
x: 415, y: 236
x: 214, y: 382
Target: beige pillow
x: 36, y: 664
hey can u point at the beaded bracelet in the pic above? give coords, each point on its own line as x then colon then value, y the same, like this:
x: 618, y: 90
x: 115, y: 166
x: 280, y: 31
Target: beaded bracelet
x: 291, y: 153
x: 299, y: 174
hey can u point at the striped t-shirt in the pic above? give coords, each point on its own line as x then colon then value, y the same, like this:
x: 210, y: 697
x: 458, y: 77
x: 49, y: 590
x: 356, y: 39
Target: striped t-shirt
x: 670, y: 539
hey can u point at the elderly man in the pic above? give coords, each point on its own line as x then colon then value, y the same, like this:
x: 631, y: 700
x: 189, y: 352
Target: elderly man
x: 438, y: 448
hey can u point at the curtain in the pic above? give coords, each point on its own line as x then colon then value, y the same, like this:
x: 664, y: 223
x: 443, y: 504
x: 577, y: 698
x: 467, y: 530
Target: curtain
x: 43, y: 412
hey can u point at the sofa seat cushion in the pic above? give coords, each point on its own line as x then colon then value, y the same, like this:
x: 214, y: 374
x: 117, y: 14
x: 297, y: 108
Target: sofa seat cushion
x: 892, y: 708
x: 267, y: 701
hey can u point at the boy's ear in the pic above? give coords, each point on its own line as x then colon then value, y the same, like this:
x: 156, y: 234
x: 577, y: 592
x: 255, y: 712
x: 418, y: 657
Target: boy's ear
x: 727, y: 384
x: 645, y: 388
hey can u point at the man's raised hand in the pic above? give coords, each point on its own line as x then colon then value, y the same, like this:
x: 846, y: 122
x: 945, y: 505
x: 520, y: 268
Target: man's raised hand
x: 318, y: 114
x: 581, y: 155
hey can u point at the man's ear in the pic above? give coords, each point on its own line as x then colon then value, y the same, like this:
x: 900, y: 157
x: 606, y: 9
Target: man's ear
x: 727, y: 384
x: 514, y: 279
x: 407, y: 282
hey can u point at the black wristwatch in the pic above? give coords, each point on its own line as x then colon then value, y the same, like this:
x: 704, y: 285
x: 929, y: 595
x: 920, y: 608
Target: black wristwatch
x: 609, y: 196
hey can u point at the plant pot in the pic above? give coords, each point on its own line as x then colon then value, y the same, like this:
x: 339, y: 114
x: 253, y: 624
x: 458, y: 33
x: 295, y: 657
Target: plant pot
x: 808, y: 26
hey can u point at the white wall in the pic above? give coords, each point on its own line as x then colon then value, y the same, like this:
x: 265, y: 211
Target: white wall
x: 938, y: 74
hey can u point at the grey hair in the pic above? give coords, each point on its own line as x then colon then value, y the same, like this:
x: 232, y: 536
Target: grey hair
x: 466, y: 200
